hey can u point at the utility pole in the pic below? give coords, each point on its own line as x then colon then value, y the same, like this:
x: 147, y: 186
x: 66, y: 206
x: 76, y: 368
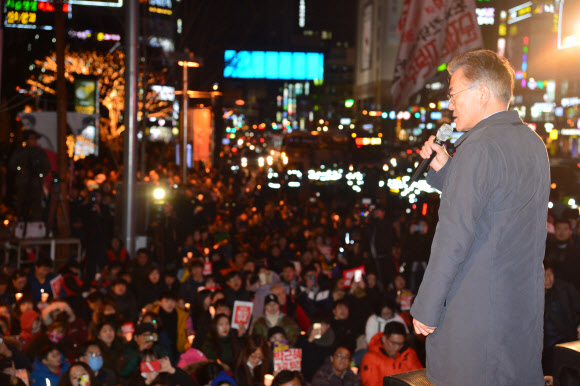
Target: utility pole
x: 130, y: 153
x: 61, y: 108
x: 184, y: 128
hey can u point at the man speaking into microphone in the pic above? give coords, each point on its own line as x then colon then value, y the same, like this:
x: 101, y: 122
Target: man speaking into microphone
x: 481, y: 302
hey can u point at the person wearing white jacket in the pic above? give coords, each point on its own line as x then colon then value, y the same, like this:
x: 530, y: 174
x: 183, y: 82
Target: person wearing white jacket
x: 385, y: 314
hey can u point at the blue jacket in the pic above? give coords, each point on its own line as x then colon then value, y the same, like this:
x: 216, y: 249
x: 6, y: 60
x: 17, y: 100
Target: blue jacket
x: 40, y: 373
x: 36, y: 286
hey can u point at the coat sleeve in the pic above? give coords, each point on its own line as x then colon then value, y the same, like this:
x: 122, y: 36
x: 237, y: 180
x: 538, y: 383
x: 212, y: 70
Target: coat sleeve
x: 476, y: 172
x: 370, y: 373
x: 437, y: 179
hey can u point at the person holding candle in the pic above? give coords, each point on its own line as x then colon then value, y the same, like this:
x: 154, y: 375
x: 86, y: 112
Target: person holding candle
x: 40, y: 278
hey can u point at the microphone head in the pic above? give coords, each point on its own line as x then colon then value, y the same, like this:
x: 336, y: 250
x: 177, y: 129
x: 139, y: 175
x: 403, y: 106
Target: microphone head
x: 444, y: 132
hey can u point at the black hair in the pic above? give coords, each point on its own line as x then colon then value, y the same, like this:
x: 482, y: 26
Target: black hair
x: 85, y: 346
x: 340, y: 302
x: 65, y: 378
x: 168, y: 295
x: 286, y: 376
x: 386, y: 302
x: 320, y: 316
x: 43, y: 352
x: 207, y: 372
x: 144, y: 251
x: 44, y: 262
x: 396, y: 328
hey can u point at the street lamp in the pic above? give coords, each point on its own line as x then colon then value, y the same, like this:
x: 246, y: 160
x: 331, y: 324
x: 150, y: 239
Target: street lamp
x: 185, y: 64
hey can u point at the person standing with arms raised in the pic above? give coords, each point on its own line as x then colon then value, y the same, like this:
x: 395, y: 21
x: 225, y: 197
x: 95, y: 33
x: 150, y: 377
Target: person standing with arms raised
x: 481, y: 301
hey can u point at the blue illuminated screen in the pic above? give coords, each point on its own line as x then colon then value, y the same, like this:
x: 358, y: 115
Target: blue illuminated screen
x: 274, y: 65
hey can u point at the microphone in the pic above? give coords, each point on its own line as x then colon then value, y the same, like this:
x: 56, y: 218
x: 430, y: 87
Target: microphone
x: 443, y: 135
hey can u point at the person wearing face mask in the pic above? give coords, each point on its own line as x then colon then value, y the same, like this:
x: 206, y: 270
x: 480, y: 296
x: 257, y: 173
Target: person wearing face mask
x: 252, y: 363
x: 90, y: 353
x: 55, y: 334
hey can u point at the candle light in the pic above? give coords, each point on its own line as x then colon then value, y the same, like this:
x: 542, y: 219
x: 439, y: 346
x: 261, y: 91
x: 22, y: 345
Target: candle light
x: 44, y: 297
x: 268, y: 378
x: 190, y: 339
x: 18, y: 296
x: 212, y: 311
x: 187, y: 305
x: 189, y: 255
x: 354, y: 370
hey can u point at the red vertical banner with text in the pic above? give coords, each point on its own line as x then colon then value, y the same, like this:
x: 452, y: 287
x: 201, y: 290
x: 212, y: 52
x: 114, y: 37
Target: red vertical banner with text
x: 432, y: 33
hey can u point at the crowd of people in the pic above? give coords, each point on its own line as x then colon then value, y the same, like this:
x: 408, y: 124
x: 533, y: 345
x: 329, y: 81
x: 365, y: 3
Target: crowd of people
x: 164, y: 316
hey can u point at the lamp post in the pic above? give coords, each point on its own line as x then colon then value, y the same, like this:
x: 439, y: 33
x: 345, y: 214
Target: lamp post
x: 185, y: 64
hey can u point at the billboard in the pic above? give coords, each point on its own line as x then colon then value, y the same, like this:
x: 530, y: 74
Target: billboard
x: 84, y: 128
x: 31, y: 14
x: 98, y: 3
x: 274, y: 65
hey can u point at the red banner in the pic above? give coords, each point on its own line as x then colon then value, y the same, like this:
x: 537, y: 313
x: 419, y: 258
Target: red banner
x: 432, y: 33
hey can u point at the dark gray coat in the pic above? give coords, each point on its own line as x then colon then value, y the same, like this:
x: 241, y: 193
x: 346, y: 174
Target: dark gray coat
x: 484, y: 285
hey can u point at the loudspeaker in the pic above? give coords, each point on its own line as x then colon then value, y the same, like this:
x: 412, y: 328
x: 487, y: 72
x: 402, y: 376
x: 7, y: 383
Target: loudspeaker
x: 412, y: 378
x: 567, y: 364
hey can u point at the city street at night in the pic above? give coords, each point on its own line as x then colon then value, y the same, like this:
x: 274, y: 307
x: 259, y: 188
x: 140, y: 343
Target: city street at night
x: 290, y: 193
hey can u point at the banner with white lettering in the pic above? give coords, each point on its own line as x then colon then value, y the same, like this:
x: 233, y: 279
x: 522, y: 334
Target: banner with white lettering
x: 288, y: 360
x: 432, y: 33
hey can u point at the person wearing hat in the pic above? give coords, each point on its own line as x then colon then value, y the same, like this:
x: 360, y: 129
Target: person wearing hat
x: 30, y: 165
x: 274, y: 317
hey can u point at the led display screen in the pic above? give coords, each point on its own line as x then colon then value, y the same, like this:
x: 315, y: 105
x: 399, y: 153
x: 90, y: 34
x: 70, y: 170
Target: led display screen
x: 274, y: 65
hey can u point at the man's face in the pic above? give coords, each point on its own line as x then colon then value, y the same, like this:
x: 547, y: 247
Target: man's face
x: 340, y: 360
x: 42, y: 271
x: 235, y: 283
x: 464, y: 102
x: 288, y: 274
x: 280, y: 294
x: 92, y: 351
x: 52, y: 359
x: 119, y: 289
x: 562, y: 231
x: 196, y: 271
x: 168, y: 305
x: 142, y: 258
x: 341, y: 312
x: 393, y: 344
x: 548, y: 278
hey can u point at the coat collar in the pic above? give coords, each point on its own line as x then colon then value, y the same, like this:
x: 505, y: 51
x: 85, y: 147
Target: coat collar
x: 505, y: 117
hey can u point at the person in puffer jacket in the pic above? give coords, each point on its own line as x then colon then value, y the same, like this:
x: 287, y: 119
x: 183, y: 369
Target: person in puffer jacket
x: 388, y: 355
x: 31, y: 327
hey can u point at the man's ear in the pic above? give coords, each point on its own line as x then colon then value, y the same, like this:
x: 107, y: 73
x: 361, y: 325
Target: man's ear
x: 485, y: 94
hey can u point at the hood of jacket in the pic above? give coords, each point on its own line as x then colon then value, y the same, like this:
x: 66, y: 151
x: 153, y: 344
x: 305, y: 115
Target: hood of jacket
x: 57, y: 306
x: 26, y: 320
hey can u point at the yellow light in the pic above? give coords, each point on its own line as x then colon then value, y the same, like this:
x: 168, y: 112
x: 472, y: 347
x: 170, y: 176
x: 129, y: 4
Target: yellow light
x: 353, y: 135
x: 554, y: 135
x: 188, y: 64
x: 432, y: 105
x: 159, y: 193
x: 553, y: 186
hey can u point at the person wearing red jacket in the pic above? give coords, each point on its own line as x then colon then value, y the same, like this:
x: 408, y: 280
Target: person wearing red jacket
x: 388, y: 355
